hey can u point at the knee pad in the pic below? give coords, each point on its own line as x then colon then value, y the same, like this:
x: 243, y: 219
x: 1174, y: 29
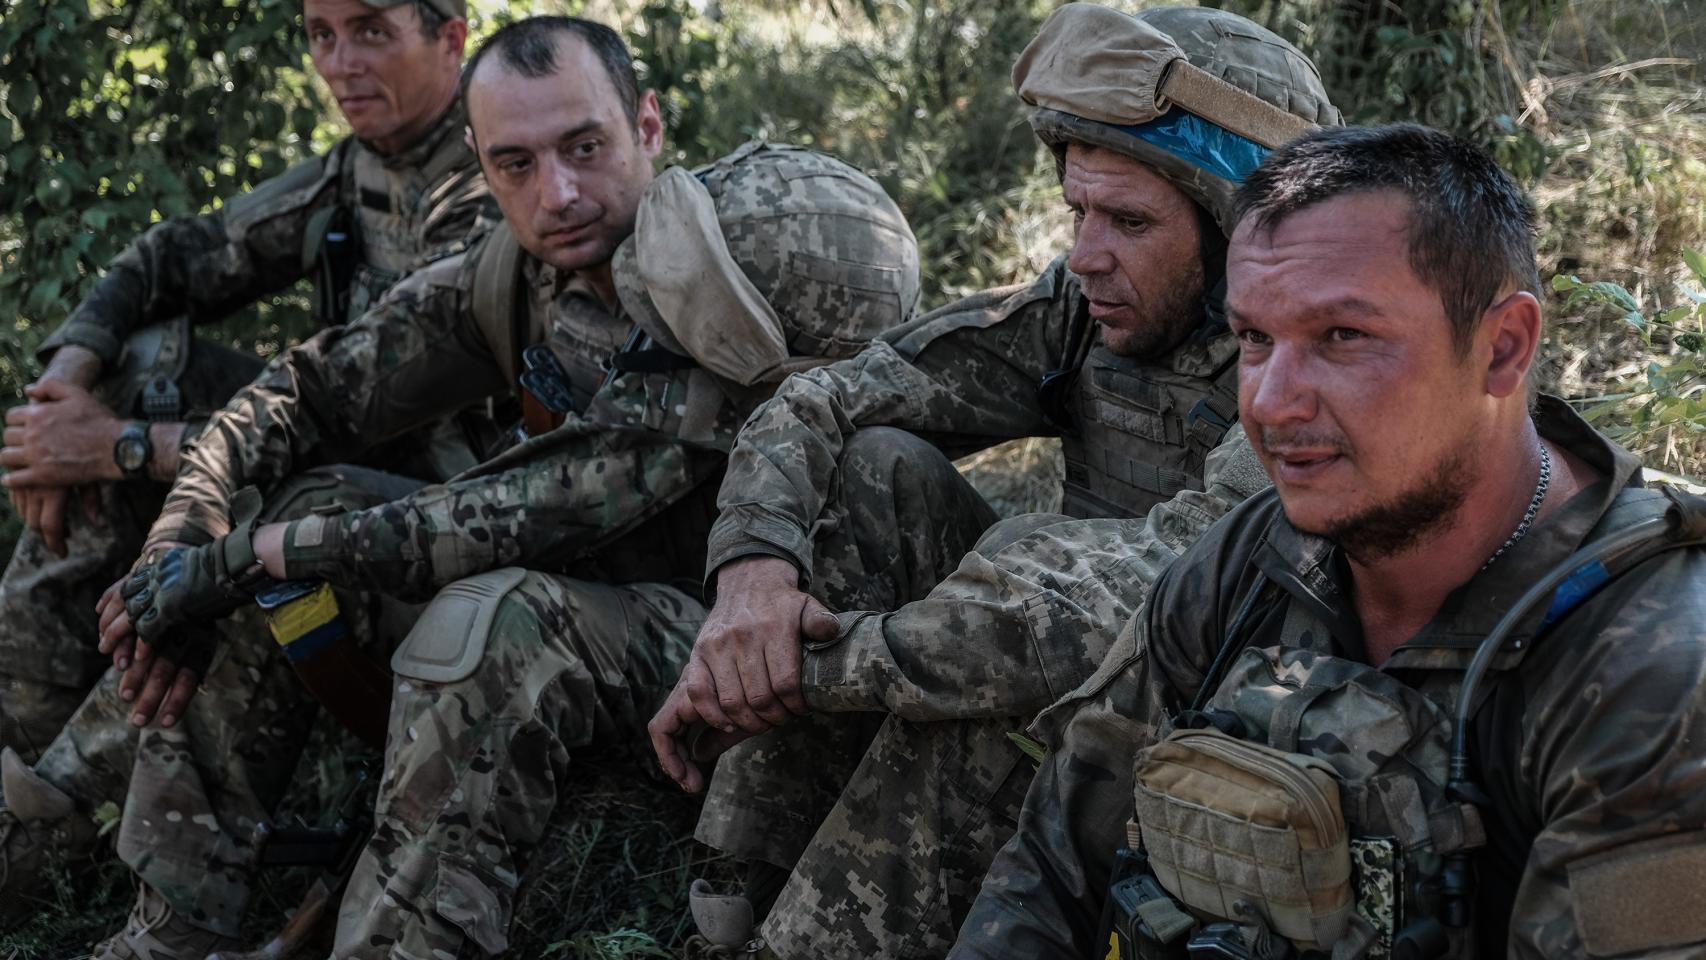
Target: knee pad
x: 449, y: 639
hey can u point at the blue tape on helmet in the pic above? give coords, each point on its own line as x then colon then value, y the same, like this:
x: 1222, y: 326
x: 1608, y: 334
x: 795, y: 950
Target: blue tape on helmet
x: 1201, y: 143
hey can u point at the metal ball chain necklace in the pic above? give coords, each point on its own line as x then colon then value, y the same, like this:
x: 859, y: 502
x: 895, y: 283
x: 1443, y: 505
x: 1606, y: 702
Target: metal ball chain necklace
x: 1534, y: 503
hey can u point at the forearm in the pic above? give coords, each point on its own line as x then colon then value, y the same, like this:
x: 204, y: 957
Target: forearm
x: 1019, y: 624
x: 543, y: 515
x: 952, y: 657
x: 74, y: 364
x: 167, y: 439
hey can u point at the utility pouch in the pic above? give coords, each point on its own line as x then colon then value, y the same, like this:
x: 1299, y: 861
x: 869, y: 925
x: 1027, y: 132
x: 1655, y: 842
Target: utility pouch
x: 1233, y: 828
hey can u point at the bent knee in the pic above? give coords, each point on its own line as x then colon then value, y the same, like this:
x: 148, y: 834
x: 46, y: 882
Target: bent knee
x: 1005, y: 533
x: 448, y: 642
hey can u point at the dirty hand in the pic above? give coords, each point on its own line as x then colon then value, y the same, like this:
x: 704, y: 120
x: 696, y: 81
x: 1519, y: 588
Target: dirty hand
x: 743, y: 676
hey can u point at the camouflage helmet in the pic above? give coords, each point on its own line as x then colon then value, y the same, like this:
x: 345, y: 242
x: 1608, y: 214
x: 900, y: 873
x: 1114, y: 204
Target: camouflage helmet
x: 770, y: 260
x: 1197, y: 94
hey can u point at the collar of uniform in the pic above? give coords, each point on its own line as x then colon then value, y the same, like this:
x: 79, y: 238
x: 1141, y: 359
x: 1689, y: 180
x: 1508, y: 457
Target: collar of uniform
x: 1211, y: 345
x: 1313, y: 571
x: 567, y: 284
x: 1205, y: 351
x: 449, y: 128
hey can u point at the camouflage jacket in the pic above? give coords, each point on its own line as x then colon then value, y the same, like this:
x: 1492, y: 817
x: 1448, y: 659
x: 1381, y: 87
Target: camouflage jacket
x: 645, y: 442
x: 964, y: 376
x: 1589, y: 741
x: 406, y: 208
x: 419, y: 354
x: 1043, y: 610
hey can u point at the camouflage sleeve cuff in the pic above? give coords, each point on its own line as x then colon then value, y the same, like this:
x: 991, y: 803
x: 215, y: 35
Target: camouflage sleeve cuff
x: 314, y: 547
x: 747, y: 530
x: 187, y: 526
x: 841, y: 676
x: 82, y: 331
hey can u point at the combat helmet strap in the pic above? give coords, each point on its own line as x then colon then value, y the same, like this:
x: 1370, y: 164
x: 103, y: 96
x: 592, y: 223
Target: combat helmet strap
x: 1229, y: 106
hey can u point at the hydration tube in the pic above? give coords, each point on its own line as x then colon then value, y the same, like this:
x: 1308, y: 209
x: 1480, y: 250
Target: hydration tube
x: 1568, y: 585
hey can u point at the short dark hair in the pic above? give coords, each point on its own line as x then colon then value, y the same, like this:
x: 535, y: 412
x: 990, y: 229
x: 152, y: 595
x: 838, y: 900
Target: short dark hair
x: 431, y: 20
x: 1471, y: 227
x: 529, y: 47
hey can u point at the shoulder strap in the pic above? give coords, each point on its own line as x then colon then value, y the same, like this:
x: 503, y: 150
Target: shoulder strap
x: 498, y: 303
x: 1686, y: 527
x: 1210, y: 418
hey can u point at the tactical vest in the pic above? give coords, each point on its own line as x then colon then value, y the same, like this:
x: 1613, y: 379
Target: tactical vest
x: 1144, y: 430
x: 360, y: 247
x: 1388, y: 745
x: 516, y: 307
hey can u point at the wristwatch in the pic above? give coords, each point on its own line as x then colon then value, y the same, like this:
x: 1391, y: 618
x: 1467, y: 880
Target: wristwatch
x: 133, y: 451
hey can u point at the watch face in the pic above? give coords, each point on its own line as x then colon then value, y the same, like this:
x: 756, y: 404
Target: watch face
x: 131, y: 453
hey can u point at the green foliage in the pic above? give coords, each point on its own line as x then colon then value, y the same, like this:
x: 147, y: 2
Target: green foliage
x: 115, y: 115
x: 918, y: 96
x: 1663, y: 406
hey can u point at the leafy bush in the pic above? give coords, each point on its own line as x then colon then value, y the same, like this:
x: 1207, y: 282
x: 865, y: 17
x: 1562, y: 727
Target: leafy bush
x: 1660, y: 411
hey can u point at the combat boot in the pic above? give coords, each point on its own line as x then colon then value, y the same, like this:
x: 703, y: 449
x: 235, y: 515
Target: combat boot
x: 37, y: 819
x: 725, y: 926
x: 155, y: 932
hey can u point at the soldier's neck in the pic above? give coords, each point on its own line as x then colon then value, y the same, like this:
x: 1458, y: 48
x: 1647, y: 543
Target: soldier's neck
x: 408, y: 136
x: 603, y: 283
x: 1398, y: 594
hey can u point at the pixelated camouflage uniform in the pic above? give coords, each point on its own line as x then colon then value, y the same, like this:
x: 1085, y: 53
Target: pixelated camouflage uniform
x: 1587, y: 743
x: 897, y: 860
x: 608, y: 512
x: 407, y: 208
x: 962, y: 377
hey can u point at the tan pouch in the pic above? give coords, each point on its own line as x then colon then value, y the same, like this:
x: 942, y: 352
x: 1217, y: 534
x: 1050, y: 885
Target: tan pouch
x: 1225, y: 820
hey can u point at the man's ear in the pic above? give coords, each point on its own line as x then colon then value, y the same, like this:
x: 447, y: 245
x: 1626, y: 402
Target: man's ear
x: 468, y: 138
x: 648, y: 124
x: 1513, y: 327
x: 454, y: 33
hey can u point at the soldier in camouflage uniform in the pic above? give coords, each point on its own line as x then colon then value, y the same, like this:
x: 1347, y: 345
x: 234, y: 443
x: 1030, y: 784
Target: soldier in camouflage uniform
x: 562, y: 574
x: 885, y: 858
x: 1384, y: 290
x: 404, y: 189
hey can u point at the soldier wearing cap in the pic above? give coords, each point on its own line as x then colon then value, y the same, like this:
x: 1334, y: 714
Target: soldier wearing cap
x: 127, y: 387
x: 1120, y: 349
x: 637, y: 319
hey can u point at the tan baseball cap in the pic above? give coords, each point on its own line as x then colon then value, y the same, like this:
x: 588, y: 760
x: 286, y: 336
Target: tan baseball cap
x: 449, y: 8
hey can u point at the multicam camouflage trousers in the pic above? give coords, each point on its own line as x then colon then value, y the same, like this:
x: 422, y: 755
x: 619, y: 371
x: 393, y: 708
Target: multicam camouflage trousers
x: 48, y: 629
x: 474, y: 763
x: 894, y: 864
x: 201, y: 792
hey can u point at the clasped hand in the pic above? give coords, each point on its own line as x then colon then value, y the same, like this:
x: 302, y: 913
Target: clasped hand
x: 153, y: 623
x: 743, y: 677
x: 57, y: 444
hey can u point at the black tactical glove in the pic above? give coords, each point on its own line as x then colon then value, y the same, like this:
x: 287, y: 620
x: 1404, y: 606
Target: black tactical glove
x: 187, y: 586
